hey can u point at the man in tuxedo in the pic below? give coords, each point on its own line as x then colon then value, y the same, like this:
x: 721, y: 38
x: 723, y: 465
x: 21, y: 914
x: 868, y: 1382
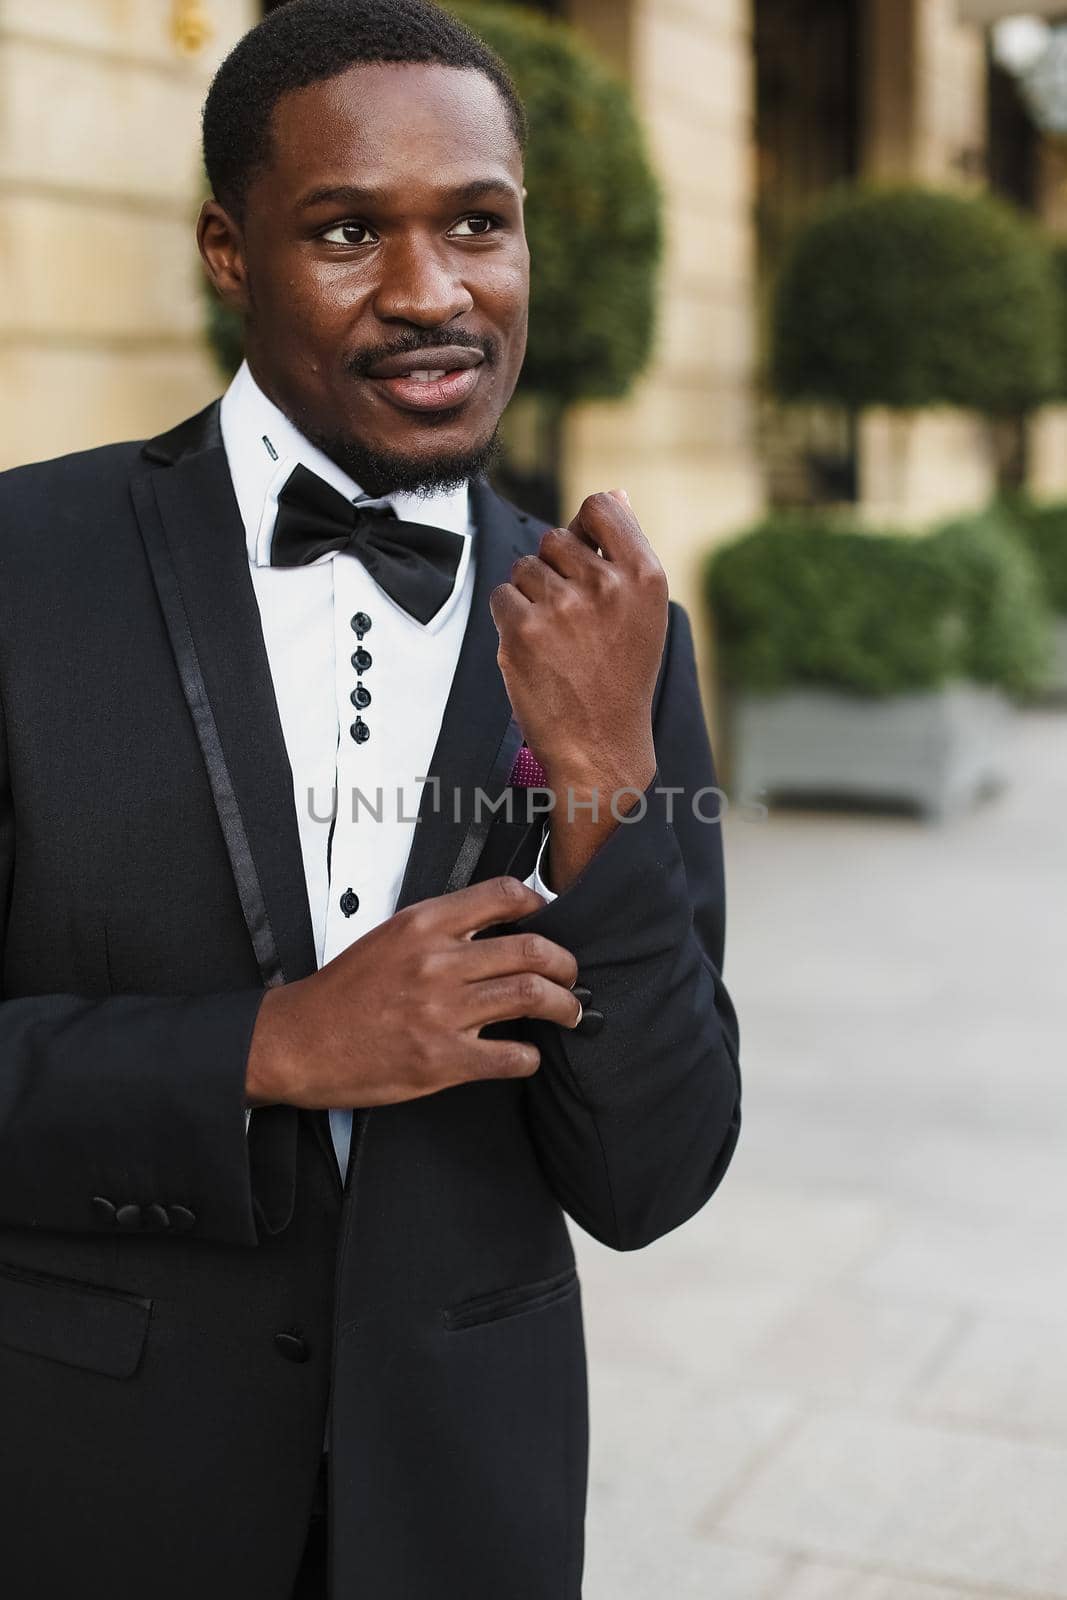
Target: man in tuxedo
x: 295, y: 1090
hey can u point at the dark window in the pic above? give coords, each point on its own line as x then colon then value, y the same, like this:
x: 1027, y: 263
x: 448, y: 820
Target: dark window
x: 808, y: 84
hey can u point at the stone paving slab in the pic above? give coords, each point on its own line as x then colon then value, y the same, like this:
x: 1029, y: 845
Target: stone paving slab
x: 935, y: 1503
x: 1005, y: 1374
x: 1002, y: 1268
x: 842, y: 1345
x: 661, y: 1445
x: 818, y: 1582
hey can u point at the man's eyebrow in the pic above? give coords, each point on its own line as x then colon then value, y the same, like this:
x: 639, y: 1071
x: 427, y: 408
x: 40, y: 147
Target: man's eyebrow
x: 355, y: 196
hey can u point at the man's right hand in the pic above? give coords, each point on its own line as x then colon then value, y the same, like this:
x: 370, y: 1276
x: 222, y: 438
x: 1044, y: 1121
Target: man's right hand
x: 397, y: 1015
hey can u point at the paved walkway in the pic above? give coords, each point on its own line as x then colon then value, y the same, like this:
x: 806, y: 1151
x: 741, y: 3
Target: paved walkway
x: 847, y: 1378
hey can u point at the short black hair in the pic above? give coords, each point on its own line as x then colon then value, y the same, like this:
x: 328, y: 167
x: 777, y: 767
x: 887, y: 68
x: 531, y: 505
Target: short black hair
x: 308, y: 41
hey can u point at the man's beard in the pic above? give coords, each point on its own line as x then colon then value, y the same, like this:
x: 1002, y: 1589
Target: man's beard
x: 382, y: 472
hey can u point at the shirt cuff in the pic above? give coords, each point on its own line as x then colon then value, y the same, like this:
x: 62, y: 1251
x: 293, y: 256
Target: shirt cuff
x: 535, y: 880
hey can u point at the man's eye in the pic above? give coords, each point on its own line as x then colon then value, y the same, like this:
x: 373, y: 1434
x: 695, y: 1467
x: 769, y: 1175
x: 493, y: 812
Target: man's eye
x: 476, y: 227
x: 349, y: 233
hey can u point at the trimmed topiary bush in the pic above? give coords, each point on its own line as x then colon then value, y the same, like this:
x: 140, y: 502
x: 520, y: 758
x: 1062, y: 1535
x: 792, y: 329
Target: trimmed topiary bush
x: 1006, y: 638
x: 593, y: 212
x: 798, y: 600
x: 908, y: 297
x: 1043, y: 529
x: 593, y: 215
x: 802, y: 601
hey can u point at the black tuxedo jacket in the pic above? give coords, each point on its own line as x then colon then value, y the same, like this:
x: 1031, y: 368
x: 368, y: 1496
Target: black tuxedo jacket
x: 179, y: 1303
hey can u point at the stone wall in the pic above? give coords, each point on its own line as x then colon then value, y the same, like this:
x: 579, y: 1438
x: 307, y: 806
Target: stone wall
x: 100, y: 299
x: 1046, y: 443
x: 924, y: 121
x: 683, y: 444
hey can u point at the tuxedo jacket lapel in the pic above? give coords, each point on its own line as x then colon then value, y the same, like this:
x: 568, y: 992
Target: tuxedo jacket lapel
x: 195, y: 542
x: 479, y: 737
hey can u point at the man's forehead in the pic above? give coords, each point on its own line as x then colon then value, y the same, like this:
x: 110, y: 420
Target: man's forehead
x: 382, y: 107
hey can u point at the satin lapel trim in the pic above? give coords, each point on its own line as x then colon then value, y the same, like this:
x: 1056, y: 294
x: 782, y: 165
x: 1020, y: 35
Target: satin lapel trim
x: 195, y: 543
x: 479, y: 738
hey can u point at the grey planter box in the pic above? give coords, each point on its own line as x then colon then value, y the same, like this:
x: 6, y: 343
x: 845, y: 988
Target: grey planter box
x: 1057, y: 678
x: 937, y: 750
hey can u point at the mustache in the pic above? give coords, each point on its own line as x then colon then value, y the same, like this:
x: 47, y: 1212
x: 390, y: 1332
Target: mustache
x: 359, y: 365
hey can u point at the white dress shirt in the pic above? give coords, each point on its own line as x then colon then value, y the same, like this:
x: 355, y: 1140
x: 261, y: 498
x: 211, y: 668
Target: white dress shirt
x: 307, y: 616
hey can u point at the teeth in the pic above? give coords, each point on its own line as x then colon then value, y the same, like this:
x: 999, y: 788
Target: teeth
x: 427, y: 377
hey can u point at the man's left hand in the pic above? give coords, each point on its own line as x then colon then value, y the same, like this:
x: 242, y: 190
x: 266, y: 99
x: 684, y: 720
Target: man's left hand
x: 581, y: 638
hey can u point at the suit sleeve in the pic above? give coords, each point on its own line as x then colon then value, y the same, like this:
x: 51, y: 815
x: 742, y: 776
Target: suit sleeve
x: 120, y: 1102
x: 636, y: 1125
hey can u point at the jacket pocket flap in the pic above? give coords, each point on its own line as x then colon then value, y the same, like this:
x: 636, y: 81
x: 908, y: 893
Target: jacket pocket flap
x: 510, y: 1302
x: 78, y: 1324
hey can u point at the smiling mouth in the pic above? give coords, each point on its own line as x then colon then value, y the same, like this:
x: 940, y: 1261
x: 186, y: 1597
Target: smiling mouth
x: 430, y: 388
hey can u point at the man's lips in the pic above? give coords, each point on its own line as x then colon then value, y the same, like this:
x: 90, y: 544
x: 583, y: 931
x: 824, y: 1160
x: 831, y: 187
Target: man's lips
x: 434, y: 379
x: 433, y: 358
x: 431, y: 389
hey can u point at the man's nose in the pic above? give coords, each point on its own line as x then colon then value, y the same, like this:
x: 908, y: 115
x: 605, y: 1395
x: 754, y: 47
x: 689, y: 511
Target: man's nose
x: 419, y: 284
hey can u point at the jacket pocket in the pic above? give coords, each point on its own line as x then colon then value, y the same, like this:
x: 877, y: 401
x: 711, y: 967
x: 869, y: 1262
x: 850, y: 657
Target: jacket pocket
x: 77, y: 1324
x: 514, y: 1302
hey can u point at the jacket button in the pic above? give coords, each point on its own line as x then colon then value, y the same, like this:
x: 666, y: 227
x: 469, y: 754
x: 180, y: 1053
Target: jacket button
x: 128, y: 1217
x: 591, y: 1023
x: 582, y: 994
x: 292, y: 1347
x: 103, y: 1210
x: 156, y: 1218
x: 181, y: 1218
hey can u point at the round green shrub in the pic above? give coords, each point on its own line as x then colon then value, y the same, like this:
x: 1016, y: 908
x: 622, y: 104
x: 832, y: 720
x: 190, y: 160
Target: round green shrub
x: 800, y: 600
x: 797, y: 600
x: 1043, y: 530
x: 593, y: 215
x: 909, y: 297
x: 1006, y: 639
x: 593, y: 212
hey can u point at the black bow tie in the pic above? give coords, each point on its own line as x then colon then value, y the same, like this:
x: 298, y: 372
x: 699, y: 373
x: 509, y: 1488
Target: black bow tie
x: 415, y: 565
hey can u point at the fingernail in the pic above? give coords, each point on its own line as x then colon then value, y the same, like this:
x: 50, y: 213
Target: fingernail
x: 620, y: 494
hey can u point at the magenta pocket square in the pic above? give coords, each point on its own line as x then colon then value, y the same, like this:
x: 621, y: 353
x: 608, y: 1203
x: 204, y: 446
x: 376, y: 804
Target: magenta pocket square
x: 527, y: 773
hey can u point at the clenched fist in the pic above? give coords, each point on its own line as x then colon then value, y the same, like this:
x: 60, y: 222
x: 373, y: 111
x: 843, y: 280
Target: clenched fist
x: 582, y: 626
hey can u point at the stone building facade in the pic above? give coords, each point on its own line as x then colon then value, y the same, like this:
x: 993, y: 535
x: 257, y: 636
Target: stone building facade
x: 101, y: 312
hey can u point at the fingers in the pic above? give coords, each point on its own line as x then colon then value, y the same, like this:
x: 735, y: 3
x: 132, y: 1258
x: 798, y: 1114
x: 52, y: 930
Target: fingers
x: 606, y: 524
x: 566, y: 552
x: 507, y: 605
x: 609, y: 522
x: 536, y: 579
x: 519, y: 952
x: 467, y: 911
x: 522, y: 994
x: 501, y: 1058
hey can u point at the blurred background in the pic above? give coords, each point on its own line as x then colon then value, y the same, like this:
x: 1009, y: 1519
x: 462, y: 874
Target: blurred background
x: 800, y: 287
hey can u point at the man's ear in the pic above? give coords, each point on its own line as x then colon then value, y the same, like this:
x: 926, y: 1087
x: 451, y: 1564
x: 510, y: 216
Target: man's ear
x: 525, y: 193
x: 221, y: 243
